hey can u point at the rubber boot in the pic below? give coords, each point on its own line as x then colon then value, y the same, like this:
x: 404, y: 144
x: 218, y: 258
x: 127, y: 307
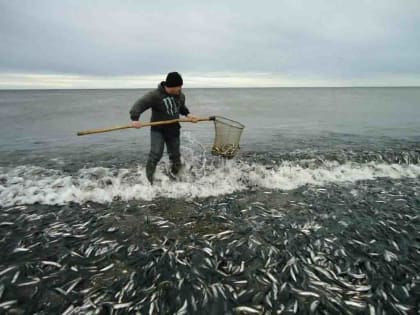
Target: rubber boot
x: 150, y: 170
x: 176, y: 167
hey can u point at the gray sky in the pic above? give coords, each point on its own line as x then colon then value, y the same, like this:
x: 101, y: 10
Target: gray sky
x: 49, y: 44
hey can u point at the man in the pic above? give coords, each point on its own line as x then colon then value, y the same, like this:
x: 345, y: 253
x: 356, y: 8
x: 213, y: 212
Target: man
x: 166, y: 102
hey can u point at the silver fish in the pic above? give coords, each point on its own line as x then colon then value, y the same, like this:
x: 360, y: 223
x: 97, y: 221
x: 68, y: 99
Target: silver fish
x: 121, y: 305
x: 7, y: 270
x: 51, y: 263
x: 246, y: 309
x: 20, y: 249
x: 35, y: 281
x: 107, y: 268
x: 7, y: 304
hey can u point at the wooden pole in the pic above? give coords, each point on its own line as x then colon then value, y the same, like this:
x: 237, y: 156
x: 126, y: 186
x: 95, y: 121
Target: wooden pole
x: 155, y: 123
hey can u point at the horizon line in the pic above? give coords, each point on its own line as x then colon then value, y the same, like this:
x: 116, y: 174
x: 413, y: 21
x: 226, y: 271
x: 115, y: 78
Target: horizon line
x: 221, y: 87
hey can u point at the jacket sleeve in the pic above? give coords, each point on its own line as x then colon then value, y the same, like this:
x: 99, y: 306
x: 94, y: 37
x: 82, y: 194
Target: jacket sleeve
x: 183, y: 110
x: 141, y: 105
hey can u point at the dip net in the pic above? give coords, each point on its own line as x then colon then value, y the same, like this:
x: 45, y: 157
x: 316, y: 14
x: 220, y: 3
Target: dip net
x: 228, y: 134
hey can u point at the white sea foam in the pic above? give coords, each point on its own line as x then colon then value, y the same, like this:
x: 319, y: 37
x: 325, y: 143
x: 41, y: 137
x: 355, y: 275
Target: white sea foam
x: 31, y: 184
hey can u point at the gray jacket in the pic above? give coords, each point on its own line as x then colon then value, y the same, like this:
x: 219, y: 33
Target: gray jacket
x: 164, y: 107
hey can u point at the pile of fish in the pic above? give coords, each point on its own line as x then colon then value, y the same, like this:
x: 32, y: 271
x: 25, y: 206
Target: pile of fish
x: 339, y: 249
x: 226, y: 151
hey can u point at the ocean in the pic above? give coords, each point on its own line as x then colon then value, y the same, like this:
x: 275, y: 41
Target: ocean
x: 319, y: 213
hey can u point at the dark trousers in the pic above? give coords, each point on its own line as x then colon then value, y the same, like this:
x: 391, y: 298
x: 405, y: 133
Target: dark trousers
x: 157, y: 142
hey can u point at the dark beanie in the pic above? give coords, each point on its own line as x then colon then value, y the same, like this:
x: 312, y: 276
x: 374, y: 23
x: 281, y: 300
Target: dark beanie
x: 173, y: 79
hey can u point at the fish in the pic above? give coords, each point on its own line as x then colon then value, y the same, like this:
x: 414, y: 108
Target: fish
x: 110, y: 266
x: 183, y: 309
x: 390, y: 256
x: 6, y: 223
x: 15, y: 277
x: 68, y: 310
x: 314, y: 306
x: 246, y: 310
x: 121, y: 305
x: 8, y: 304
x: 51, y: 263
x: 305, y: 293
x: 356, y: 304
x: 73, y: 285
x: 35, y: 280
x: 3, y: 272
x: 402, y: 307
x: 21, y: 249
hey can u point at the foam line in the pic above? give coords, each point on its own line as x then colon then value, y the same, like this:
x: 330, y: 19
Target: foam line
x: 31, y: 184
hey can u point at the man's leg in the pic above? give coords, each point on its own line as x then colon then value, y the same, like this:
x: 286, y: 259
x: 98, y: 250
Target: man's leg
x: 156, y: 150
x: 173, y: 147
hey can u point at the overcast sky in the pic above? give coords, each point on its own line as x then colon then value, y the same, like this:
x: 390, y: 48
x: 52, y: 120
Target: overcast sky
x: 105, y: 44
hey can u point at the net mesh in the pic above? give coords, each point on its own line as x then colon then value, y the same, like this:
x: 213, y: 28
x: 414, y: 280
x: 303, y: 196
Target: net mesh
x: 228, y: 134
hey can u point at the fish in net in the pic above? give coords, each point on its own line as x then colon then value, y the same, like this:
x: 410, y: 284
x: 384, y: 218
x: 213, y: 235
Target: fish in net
x: 228, y: 134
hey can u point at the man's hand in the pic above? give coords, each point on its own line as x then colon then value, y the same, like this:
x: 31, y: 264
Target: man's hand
x: 192, y: 118
x: 136, y: 124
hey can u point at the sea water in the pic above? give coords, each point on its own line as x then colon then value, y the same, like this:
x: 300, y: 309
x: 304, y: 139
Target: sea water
x: 319, y: 212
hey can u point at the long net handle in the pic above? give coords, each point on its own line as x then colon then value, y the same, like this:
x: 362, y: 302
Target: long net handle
x: 155, y: 123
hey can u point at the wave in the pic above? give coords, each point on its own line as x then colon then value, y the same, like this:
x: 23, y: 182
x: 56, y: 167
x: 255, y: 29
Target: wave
x: 28, y: 184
